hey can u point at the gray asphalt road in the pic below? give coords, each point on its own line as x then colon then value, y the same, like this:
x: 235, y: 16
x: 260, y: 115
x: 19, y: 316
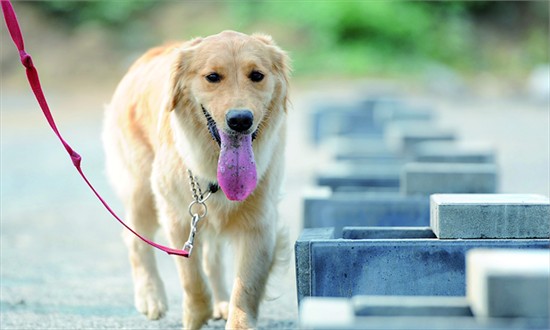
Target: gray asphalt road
x: 63, y: 264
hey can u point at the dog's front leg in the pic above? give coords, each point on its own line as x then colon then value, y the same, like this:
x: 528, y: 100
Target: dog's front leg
x: 197, y: 303
x: 254, y: 257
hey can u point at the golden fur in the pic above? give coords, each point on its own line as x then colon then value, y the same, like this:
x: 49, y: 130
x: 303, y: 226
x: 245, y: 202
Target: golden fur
x: 155, y: 130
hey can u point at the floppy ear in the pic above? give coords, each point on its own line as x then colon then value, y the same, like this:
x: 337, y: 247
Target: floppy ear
x: 180, y: 67
x: 281, y: 63
x: 280, y: 60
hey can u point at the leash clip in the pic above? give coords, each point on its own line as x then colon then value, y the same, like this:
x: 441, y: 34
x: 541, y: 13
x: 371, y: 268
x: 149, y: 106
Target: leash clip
x: 197, y: 210
x: 188, y: 246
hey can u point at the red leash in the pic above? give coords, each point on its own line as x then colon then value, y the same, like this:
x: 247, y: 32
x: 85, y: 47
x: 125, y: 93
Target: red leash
x: 32, y: 76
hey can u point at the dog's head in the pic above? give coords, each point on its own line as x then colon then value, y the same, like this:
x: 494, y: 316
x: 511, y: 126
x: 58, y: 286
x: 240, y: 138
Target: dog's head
x: 232, y: 87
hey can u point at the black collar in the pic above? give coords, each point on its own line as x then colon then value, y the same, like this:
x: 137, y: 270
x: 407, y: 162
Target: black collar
x: 213, y: 187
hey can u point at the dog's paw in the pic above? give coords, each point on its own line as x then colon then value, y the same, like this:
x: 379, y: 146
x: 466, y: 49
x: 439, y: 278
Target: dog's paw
x: 221, y: 310
x: 151, y: 301
x: 196, y: 313
x: 239, y: 319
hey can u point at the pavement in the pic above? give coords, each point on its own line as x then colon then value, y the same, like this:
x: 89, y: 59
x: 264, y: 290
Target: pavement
x: 63, y: 263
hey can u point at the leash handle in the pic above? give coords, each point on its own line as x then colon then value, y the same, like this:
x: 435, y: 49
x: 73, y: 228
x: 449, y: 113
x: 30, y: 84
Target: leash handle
x: 32, y: 76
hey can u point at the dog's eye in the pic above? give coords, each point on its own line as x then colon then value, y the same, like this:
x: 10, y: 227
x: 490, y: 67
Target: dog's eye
x: 213, y: 77
x: 256, y: 76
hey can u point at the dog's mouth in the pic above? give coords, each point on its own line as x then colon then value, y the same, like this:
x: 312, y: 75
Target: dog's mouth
x: 212, y: 128
x: 236, y: 171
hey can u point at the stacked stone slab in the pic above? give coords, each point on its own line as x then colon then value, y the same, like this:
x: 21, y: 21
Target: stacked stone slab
x: 499, y: 216
x: 326, y: 208
x: 507, y: 289
x: 400, y: 211
x: 365, y: 118
x: 508, y: 283
x: 386, y: 179
x: 373, y: 142
x: 414, y: 260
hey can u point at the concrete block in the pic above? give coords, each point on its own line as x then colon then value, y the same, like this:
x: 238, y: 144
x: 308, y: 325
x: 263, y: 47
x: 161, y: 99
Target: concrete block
x: 329, y: 312
x: 411, y: 306
x: 384, y: 114
x: 404, y: 137
x: 361, y: 190
x: 420, y: 266
x: 343, y: 174
x: 359, y: 119
x: 490, y: 215
x: 338, y: 119
x: 453, y: 152
x: 398, y: 313
x: 432, y: 178
x: 324, y: 208
x: 386, y: 232
x: 302, y: 252
x: 357, y: 147
x: 508, y: 283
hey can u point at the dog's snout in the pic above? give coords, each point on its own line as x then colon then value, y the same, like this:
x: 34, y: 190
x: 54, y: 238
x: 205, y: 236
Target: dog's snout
x: 239, y: 120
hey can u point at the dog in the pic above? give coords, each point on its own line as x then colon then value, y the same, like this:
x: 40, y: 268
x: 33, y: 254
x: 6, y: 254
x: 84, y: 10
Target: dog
x: 216, y: 106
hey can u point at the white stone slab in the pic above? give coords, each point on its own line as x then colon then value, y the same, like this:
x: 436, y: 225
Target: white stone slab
x: 508, y: 283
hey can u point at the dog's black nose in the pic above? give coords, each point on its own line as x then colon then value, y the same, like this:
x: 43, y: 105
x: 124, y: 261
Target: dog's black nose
x: 239, y: 120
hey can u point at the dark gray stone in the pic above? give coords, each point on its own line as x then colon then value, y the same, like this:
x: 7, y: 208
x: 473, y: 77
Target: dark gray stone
x: 432, y: 178
x: 337, y: 119
x: 323, y: 208
x: 411, y: 306
x: 420, y: 266
x: 303, y: 262
x: 339, y: 313
x: 343, y: 174
x: 384, y: 114
x: 386, y: 232
x: 404, y: 137
x: 453, y: 152
x: 343, y: 148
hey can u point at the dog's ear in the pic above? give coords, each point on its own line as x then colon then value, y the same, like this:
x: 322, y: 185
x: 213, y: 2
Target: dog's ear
x: 281, y: 63
x: 280, y: 60
x: 180, y: 67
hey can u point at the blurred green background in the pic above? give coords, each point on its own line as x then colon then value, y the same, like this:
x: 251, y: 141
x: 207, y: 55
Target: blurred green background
x: 325, y: 38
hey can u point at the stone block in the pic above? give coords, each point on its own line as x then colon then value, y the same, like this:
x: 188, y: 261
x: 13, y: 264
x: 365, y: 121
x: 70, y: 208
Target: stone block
x: 329, y: 312
x: 432, y: 178
x: 338, y: 119
x: 404, y: 137
x: 453, y: 152
x: 336, y: 267
x: 342, y: 148
x: 302, y: 252
x: 411, y: 306
x: 508, y: 283
x: 384, y: 114
x: 342, y: 174
x: 386, y: 232
x: 490, y: 216
x: 401, y: 312
x: 324, y: 208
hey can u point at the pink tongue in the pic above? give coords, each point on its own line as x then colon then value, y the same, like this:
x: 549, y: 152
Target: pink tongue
x: 236, y: 166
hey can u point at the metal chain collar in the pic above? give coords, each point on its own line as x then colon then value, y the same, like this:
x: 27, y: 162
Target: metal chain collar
x: 197, y: 210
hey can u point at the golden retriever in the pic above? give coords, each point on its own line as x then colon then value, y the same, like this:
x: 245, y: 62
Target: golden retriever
x: 217, y: 106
